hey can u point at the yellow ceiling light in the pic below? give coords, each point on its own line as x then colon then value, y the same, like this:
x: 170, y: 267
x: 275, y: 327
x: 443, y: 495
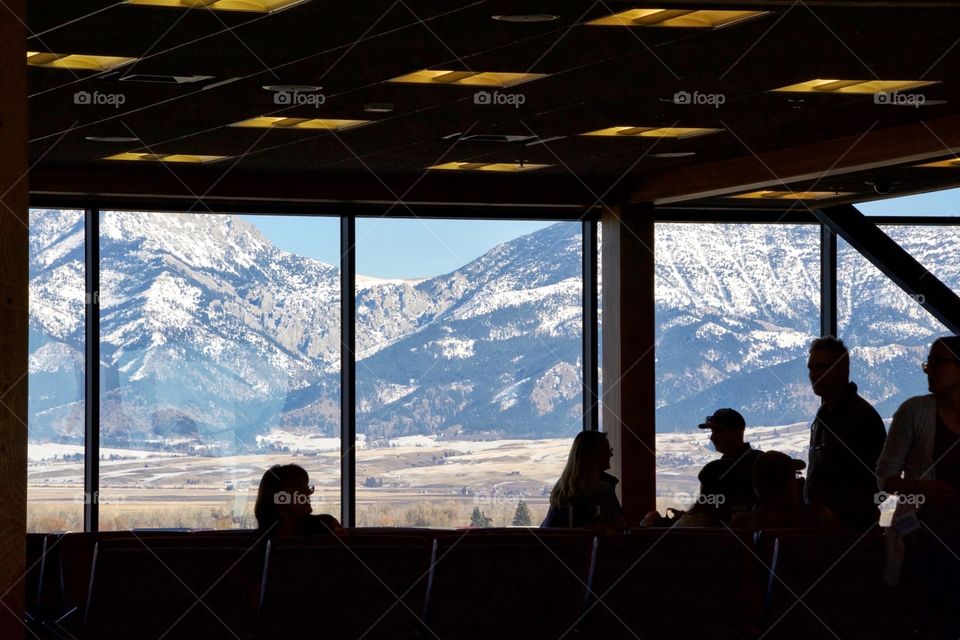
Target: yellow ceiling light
x: 507, y: 167
x: 75, y: 61
x: 467, y: 78
x: 791, y: 195
x: 326, y: 124
x: 652, y: 132
x: 952, y: 163
x: 681, y: 18
x: 252, y: 6
x: 164, y: 157
x: 821, y: 85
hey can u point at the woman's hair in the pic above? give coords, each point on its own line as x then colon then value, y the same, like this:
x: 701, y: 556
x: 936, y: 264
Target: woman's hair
x: 275, y: 480
x: 576, y: 475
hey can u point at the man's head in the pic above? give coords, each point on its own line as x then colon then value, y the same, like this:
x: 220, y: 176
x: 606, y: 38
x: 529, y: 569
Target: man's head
x: 828, y: 366
x: 943, y: 365
x: 726, y: 430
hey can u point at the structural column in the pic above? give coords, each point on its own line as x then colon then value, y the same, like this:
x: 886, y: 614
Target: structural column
x: 14, y: 281
x: 627, y: 261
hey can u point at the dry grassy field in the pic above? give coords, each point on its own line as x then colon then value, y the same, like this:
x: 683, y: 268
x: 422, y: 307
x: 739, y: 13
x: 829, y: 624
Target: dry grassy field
x: 416, y: 481
x: 421, y: 484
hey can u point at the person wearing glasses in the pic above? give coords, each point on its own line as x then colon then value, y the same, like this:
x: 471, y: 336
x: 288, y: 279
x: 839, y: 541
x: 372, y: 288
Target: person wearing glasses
x: 846, y: 439
x: 584, y: 495
x: 283, y: 506
x: 920, y: 463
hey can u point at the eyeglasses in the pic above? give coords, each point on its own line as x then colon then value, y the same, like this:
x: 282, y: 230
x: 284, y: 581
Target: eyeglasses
x: 937, y: 363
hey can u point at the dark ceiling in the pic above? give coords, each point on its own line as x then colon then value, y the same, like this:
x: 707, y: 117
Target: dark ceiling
x: 597, y: 77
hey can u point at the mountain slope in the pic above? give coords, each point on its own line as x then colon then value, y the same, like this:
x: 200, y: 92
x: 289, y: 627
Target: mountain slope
x: 210, y: 335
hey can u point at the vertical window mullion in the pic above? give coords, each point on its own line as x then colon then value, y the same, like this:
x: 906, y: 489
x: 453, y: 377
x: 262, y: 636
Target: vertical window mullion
x: 348, y: 370
x: 91, y: 456
x: 828, y: 281
x: 591, y: 404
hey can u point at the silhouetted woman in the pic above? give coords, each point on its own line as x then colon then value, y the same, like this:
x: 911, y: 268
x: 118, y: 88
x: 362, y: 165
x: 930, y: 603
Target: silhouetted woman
x: 283, y: 504
x: 584, y: 495
x: 920, y: 463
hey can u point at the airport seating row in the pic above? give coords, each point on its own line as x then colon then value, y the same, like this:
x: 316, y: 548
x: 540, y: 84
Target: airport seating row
x: 451, y: 585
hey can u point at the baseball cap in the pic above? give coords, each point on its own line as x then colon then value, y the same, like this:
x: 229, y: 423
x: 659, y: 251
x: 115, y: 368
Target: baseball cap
x: 724, y: 418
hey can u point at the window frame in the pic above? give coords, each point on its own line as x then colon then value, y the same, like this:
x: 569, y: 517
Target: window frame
x: 348, y: 213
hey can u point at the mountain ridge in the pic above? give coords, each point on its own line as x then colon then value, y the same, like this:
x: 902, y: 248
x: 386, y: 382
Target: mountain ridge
x: 212, y: 335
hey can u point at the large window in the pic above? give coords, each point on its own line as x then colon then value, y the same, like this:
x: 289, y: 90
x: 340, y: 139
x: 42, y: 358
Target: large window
x: 736, y: 308
x: 220, y: 355
x: 55, y: 451
x: 888, y: 331
x: 468, y: 368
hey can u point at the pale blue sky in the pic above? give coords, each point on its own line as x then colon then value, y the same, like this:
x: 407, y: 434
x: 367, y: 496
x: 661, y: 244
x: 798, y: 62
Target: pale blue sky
x: 937, y: 203
x: 392, y: 247
x: 417, y: 248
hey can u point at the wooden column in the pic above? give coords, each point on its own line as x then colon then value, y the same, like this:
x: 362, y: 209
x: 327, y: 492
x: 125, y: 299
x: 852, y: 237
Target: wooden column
x: 627, y: 261
x: 13, y: 315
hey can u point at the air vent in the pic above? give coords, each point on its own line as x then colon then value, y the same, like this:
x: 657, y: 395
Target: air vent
x: 489, y: 137
x: 151, y: 78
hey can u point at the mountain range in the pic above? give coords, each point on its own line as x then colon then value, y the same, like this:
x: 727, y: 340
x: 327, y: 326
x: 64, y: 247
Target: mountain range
x: 211, y: 335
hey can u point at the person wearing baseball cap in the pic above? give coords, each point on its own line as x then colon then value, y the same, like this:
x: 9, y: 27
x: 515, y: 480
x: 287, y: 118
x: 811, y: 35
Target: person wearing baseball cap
x: 734, y: 479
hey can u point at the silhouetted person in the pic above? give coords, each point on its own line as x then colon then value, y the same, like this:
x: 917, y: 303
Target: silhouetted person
x: 585, y: 496
x: 846, y: 439
x: 921, y: 464
x: 734, y: 469
x: 779, y: 497
x: 283, y: 504
x: 709, y: 509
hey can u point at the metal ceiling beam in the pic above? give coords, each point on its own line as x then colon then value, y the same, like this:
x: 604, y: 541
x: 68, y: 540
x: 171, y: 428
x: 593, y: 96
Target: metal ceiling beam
x: 895, y: 262
x: 900, y: 145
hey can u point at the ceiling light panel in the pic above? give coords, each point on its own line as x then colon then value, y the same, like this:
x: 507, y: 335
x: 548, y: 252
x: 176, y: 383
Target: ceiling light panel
x: 677, y: 18
x: 821, y: 85
x: 467, y: 78
x: 165, y: 157
x: 271, y: 122
x: 952, y: 163
x: 652, y: 132
x: 791, y: 195
x: 76, y: 61
x: 250, y: 6
x: 504, y: 167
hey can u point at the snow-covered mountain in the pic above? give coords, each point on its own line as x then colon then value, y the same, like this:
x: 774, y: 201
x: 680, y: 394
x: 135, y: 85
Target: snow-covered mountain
x: 737, y: 306
x: 210, y: 335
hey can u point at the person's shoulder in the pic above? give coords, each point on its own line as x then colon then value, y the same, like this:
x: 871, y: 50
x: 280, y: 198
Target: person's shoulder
x: 917, y: 404
x: 609, y: 480
x: 322, y: 523
x: 713, y: 471
x: 865, y: 408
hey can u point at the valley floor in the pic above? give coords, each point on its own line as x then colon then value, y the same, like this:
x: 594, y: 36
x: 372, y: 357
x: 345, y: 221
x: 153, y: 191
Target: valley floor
x: 416, y: 481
